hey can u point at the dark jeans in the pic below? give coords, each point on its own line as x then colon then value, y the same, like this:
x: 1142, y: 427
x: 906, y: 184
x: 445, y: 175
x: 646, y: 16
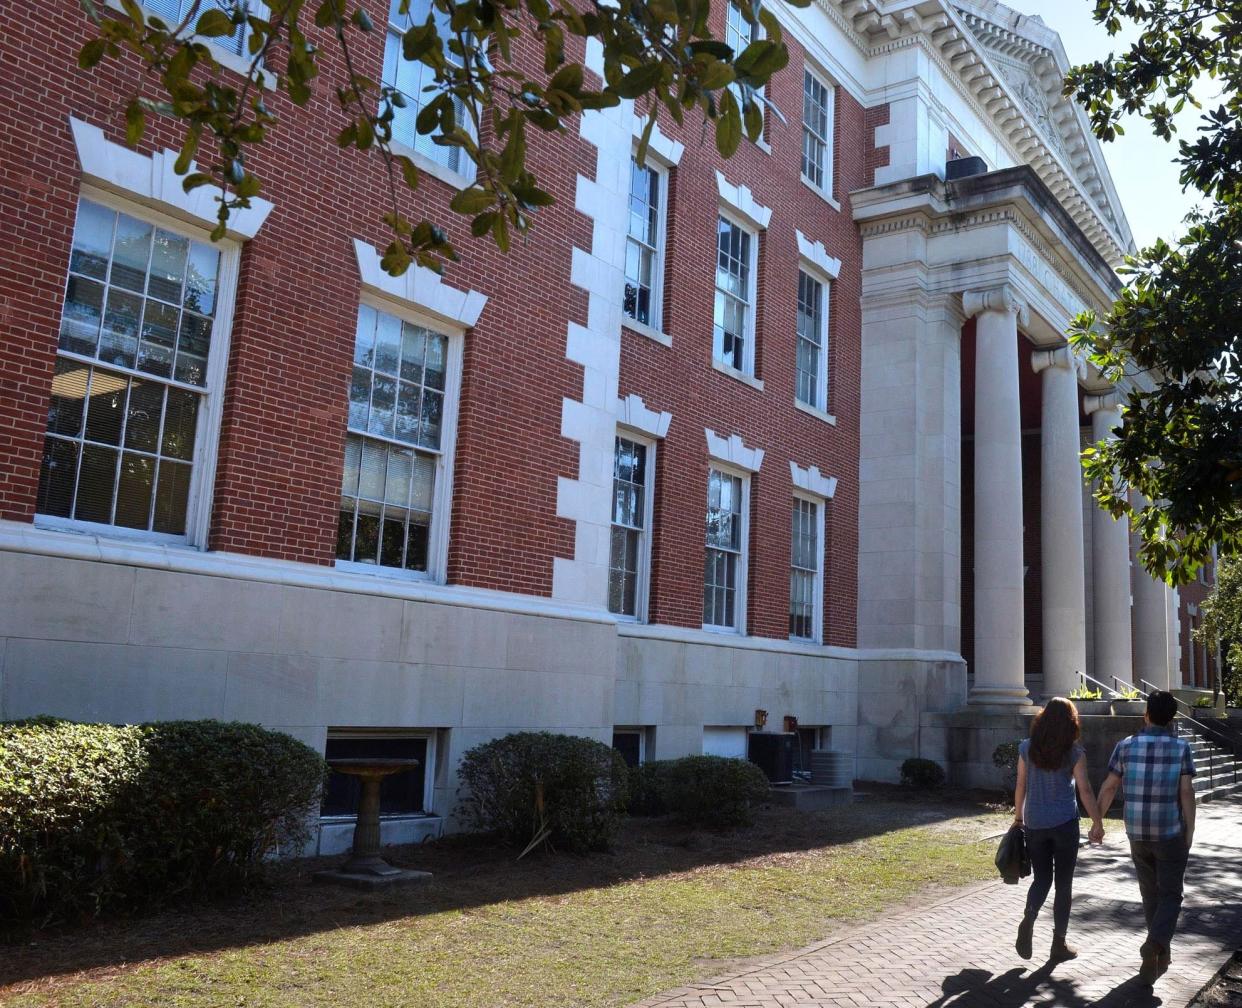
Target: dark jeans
x: 1054, y: 852
x: 1161, y: 866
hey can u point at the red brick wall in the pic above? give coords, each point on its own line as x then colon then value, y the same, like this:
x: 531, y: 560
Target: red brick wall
x: 285, y: 403
x: 1194, y: 594
x: 681, y: 379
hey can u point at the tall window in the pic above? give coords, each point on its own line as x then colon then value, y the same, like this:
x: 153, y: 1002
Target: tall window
x: 642, y: 246
x: 805, y: 571
x: 410, y: 77
x: 817, y: 132
x: 393, y: 453
x: 812, y: 352
x: 724, y: 572
x: 739, y: 33
x: 173, y: 12
x: 733, y: 320
x: 630, y: 508
x: 131, y: 378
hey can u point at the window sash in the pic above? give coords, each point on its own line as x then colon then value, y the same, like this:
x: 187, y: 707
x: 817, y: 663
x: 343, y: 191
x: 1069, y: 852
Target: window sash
x: 816, y: 131
x: 733, y: 322
x: 724, y: 559
x: 811, y: 351
x: 129, y: 445
x: 805, y: 570
x: 644, y: 265
x: 628, y: 559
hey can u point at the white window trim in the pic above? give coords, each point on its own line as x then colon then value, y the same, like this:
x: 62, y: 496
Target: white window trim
x: 752, y: 292
x: 817, y: 613
x: 830, y: 152
x: 152, y: 182
x: 760, y: 33
x: 820, y: 407
x: 741, y: 204
x: 642, y: 590
x: 207, y: 434
x: 429, y: 768
x: 655, y: 328
x: 442, y: 496
x: 641, y: 732
x: 740, y: 600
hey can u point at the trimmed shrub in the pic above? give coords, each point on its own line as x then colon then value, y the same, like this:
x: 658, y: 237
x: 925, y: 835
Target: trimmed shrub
x: 568, y: 790
x: 1005, y: 757
x: 711, y: 791
x: 646, y: 789
x: 101, y: 817
x: 1204, y: 702
x: 922, y: 773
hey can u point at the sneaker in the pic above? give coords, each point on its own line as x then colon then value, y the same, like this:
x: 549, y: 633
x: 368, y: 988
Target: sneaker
x: 1025, y: 932
x: 1149, y: 971
x: 1062, y: 951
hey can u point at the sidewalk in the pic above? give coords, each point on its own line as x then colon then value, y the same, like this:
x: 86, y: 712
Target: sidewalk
x: 959, y: 952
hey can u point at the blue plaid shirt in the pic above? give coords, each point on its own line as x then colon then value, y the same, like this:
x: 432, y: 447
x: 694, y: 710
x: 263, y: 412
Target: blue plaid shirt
x: 1151, y: 765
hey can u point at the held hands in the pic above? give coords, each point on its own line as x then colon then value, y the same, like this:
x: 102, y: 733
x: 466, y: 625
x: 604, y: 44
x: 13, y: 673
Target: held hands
x: 1096, y: 833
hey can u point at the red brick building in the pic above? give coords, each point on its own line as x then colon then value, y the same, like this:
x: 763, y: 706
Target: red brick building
x: 608, y: 483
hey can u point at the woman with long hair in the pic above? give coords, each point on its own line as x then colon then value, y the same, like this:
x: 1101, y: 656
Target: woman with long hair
x: 1050, y: 763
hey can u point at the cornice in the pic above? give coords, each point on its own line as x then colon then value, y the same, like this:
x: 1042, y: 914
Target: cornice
x: 969, y: 50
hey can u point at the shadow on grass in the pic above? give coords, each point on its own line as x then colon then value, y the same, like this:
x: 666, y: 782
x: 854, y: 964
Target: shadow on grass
x: 468, y: 872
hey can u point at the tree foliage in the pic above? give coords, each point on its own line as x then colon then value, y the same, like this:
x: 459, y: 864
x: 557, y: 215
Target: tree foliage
x: 1176, y: 329
x: 484, y: 98
x: 1222, y: 625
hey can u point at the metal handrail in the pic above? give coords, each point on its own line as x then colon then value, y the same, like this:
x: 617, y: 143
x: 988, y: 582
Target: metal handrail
x: 1095, y: 682
x: 1204, y: 731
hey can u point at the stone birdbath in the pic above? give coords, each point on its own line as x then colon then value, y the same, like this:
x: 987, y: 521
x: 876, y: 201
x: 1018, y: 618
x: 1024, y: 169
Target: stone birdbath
x: 365, y: 869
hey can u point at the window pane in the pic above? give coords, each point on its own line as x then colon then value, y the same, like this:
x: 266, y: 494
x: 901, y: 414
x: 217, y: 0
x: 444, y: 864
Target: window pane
x: 56, y: 477
x: 367, y: 536
x: 200, y: 283
x: 143, y: 415
x: 96, y: 484
x: 159, y: 334
x: 131, y: 253
x: 345, y: 531
x: 192, y: 345
x: 133, y: 498
x: 92, y: 240
x: 83, y: 311
x: 105, y: 410
x: 180, y: 423
x: 172, y: 496
x: 120, y: 328
x: 408, y: 412
x: 68, y: 405
x: 383, y: 405
x: 168, y: 258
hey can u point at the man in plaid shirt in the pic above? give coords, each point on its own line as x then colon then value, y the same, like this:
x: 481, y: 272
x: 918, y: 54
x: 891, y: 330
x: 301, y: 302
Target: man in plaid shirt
x: 1156, y: 769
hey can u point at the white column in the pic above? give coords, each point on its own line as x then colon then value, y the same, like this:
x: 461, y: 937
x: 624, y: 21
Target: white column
x: 1062, y: 559
x: 999, y: 665
x: 1110, y: 566
x: 1151, y: 623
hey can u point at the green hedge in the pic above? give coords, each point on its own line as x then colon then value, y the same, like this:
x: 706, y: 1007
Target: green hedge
x: 709, y: 791
x: 100, y: 817
x: 922, y: 773
x: 571, y: 791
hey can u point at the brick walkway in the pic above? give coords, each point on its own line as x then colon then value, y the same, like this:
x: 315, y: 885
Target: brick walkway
x: 958, y: 953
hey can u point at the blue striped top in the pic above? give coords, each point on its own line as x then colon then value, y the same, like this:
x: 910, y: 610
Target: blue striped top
x: 1050, y: 797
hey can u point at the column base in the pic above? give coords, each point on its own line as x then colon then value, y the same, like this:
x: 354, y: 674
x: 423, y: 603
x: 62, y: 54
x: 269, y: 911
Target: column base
x: 999, y: 696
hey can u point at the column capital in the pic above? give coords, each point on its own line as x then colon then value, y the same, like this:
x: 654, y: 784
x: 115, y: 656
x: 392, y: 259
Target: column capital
x: 998, y: 299
x: 1108, y: 402
x: 1061, y: 358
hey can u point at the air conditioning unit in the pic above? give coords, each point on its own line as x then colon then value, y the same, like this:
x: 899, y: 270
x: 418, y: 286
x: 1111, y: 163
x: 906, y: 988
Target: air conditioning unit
x: 832, y: 769
x: 773, y: 753
x: 964, y: 168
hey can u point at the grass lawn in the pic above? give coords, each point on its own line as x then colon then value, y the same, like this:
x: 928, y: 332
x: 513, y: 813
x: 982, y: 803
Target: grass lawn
x: 665, y: 907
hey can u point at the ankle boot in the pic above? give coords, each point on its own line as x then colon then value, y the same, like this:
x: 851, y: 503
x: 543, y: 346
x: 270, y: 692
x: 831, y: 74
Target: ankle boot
x: 1062, y: 950
x: 1025, y: 930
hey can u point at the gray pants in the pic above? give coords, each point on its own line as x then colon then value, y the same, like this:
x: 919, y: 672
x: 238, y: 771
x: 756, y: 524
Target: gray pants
x: 1161, y: 866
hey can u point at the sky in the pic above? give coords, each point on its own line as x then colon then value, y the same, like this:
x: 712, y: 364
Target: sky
x: 1140, y: 163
